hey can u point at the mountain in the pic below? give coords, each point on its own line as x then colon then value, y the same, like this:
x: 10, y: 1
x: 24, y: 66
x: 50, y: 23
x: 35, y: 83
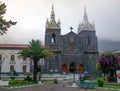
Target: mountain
x: 108, y: 45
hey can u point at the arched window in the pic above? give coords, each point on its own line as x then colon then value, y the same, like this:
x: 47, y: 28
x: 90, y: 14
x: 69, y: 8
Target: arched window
x: 89, y: 39
x: 53, y: 38
x: 0, y: 57
x: 12, y: 57
x: 72, y: 67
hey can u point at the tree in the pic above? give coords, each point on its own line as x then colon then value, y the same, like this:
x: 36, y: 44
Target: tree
x: 108, y: 63
x: 4, y: 25
x: 35, y: 51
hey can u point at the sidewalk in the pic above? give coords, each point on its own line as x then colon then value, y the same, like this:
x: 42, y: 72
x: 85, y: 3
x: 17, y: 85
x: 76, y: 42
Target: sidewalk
x: 53, y: 87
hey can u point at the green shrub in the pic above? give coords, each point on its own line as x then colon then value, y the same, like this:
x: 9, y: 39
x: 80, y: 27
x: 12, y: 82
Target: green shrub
x: 28, y: 78
x: 100, y: 82
x: 12, y: 77
x: 26, y: 83
x: 15, y: 82
x: 19, y: 82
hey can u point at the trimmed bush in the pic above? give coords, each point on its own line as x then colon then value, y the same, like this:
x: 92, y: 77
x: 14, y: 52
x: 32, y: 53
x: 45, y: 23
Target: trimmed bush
x: 100, y: 82
x: 12, y: 78
x: 28, y: 78
x: 15, y: 82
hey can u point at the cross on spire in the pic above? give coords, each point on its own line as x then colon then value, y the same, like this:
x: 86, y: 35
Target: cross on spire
x: 71, y: 28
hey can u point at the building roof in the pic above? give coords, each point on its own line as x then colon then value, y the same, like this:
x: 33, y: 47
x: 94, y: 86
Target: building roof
x: 13, y: 46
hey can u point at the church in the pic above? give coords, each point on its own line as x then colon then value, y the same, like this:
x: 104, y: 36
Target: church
x: 73, y: 53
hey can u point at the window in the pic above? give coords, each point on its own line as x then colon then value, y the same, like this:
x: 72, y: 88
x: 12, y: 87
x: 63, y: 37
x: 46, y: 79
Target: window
x: 12, y: 57
x: 53, y: 38
x: 89, y: 39
x: 24, y: 68
x: 11, y: 68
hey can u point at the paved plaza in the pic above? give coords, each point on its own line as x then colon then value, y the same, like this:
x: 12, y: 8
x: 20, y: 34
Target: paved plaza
x: 53, y: 87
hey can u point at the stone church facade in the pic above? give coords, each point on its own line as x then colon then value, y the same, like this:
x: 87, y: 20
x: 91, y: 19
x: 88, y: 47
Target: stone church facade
x: 72, y: 52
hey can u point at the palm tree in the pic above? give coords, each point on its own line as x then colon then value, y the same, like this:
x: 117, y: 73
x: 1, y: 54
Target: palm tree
x: 35, y: 51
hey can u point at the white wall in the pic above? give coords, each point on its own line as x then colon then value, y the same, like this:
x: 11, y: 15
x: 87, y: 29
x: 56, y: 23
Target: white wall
x: 18, y: 63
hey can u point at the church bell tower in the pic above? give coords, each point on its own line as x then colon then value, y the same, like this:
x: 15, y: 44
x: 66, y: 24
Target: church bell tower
x: 53, y: 43
x: 53, y: 32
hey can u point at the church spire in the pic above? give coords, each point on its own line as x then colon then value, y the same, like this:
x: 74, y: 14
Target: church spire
x: 85, y: 25
x: 85, y: 17
x: 52, y: 24
x: 85, y: 14
x: 52, y: 13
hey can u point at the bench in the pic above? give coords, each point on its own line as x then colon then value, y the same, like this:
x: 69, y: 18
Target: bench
x: 87, y: 84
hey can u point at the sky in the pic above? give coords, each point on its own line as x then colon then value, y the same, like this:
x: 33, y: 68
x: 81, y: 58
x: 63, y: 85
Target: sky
x: 31, y: 18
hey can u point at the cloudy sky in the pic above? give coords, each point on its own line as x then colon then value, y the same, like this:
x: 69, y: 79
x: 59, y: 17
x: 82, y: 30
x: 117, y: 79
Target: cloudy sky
x: 31, y: 17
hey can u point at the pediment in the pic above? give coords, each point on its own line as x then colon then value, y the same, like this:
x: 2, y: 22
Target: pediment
x: 88, y: 27
x: 53, y: 25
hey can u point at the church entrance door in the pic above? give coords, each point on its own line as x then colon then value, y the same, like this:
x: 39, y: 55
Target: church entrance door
x: 81, y: 68
x: 64, y: 68
x: 72, y: 67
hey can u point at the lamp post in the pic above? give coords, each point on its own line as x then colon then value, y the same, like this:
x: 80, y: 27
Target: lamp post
x: 74, y: 75
x: 40, y: 63
x: 39, y: 71
x: 0, y: 68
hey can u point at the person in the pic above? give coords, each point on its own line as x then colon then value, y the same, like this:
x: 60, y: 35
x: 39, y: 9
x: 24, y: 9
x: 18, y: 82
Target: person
x: 81, y: 78
x: 55, y: 80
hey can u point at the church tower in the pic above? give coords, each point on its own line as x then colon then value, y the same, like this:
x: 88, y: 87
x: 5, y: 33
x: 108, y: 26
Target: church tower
x: 53, y: 32
x: 53, y: 42
x: 87, y: 30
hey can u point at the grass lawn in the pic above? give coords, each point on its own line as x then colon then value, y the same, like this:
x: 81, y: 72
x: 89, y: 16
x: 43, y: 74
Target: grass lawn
x: 114, y: 86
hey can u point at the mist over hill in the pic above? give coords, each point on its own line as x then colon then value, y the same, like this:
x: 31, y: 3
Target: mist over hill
x: 108, y: 45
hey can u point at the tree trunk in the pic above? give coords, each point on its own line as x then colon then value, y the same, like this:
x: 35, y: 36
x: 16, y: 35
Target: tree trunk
x: 35, y: 71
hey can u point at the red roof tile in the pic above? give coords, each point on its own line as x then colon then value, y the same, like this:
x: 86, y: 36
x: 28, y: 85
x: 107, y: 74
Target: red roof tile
x: 13, y: 46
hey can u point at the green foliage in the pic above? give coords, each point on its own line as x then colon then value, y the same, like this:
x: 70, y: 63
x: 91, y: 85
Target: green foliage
x: 55, y: 81
x: 100, y: 82
x: 98, y: 66
x: 107, y: 64
x: 4, y: 25
x: 12, y: 78
x: 28, y: 78
x: 20, y: 82
x: 15, y: 82
x: 47, y: 81
x: 35, y: 51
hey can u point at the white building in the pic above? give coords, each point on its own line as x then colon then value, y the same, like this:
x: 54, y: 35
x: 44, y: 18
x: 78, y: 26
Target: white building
x: 9, y: 60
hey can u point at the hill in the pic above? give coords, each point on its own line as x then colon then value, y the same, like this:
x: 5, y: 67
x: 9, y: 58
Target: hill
x: 108, y: 45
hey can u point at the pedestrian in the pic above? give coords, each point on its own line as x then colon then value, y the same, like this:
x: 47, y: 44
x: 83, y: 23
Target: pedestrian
x: 55, y: 81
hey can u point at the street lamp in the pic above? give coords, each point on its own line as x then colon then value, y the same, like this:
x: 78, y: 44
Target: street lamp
x: 0, y: 68
x: 40, y: 63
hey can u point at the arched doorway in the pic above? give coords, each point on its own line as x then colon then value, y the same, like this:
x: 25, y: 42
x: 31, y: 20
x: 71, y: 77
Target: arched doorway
x: 64, y: 68
x: 72, y: 67
x: 81, y: 68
